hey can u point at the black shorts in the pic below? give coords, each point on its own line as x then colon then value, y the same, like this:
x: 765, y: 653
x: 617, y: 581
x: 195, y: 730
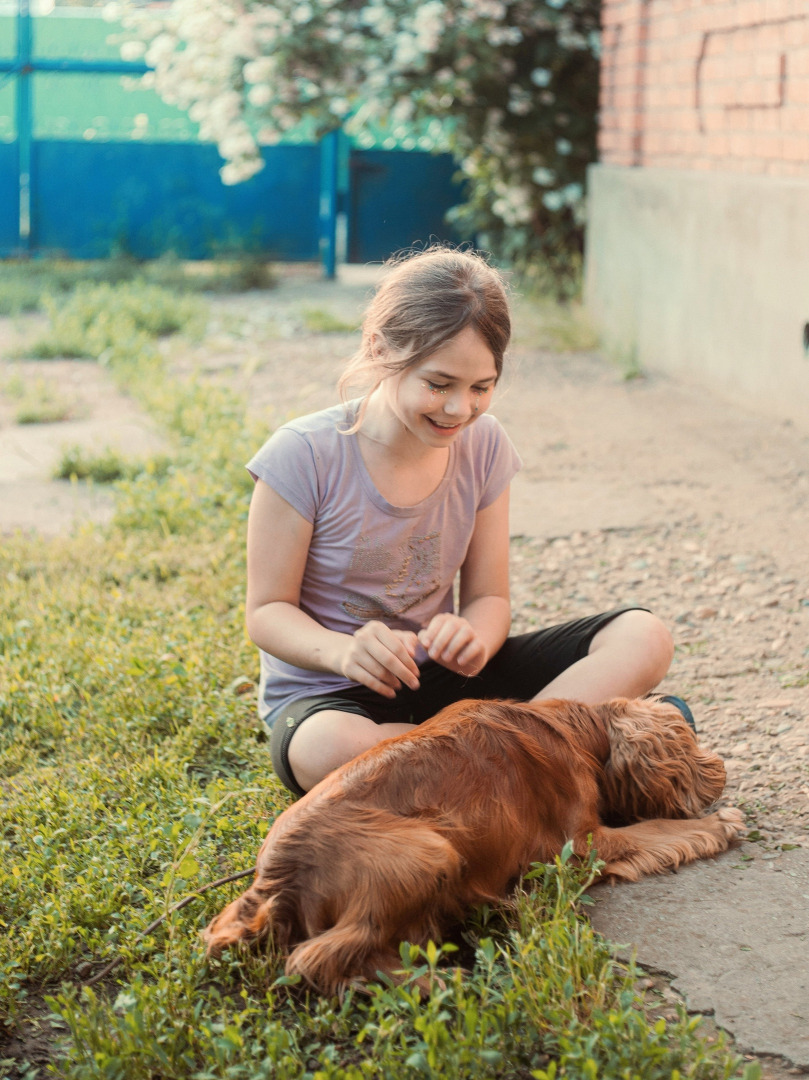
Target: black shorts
x: 522, y: 667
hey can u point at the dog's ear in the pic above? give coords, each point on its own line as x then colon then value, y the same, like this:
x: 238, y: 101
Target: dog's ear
x: 656, y: 767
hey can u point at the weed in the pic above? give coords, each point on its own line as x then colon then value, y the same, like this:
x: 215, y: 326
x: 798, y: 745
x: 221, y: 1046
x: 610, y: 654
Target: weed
x: 628, y: 362
x: 25, y: 283
x: 542, y: 322
x: 18, y: 296
x: 321, y: 321
x: 51, y: 411
x: 44, y: 406
x: 38, y: 402
x: 106, y: 466
x: 106, y: 322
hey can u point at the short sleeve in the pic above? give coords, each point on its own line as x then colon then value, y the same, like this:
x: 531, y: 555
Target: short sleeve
x: 286, y: 463
x: 498, y: 459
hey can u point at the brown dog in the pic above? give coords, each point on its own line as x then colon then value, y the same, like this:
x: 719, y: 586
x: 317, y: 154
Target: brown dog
x: 403, y: 840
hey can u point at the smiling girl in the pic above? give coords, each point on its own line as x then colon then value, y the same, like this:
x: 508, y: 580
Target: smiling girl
x: 364, y: 515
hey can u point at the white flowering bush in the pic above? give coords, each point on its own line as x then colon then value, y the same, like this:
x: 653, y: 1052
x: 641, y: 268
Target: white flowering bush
x: 509, y: 87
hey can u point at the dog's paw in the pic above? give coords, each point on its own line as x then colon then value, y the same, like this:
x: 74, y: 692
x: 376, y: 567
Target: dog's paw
x: 732, y: 821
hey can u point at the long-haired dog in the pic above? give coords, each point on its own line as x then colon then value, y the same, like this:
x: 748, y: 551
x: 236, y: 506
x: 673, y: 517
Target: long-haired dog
x: 399, y: 843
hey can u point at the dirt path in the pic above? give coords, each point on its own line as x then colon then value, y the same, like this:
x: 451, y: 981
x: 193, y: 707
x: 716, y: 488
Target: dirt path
x: 646, y: 491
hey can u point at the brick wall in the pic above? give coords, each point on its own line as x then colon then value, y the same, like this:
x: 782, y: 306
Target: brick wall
x: 706, y: 84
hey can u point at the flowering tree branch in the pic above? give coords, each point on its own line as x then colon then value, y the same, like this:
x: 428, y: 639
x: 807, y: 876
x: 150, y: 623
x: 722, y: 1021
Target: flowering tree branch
x: 509, y: 87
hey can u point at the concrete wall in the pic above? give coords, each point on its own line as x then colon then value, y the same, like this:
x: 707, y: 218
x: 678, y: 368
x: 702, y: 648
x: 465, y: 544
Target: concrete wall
x: 704, y: 275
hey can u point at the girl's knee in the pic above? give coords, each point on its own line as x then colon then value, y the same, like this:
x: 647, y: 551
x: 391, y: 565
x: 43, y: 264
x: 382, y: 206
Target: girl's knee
x: 329, y: 739
x: 325, y: 741
x: 642, y: 635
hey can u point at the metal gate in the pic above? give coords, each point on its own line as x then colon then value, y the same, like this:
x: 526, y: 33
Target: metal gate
x: 89, y: 186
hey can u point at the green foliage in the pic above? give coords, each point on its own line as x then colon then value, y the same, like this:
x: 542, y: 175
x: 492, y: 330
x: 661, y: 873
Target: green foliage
x: 109, y: 323
x: 106, y: 466
x: 510, y: 88
x: 37, y: 402
x: 322, y: 321
x: 25, y: 282
x: 18, y: 295
x: 525, y: 135
x: 522, y: 1010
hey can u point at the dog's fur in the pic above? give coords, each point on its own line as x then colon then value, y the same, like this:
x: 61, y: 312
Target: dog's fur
x: 403, y: 840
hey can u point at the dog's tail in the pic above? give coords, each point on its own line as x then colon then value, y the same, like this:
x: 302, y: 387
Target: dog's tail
x: 248, y: 918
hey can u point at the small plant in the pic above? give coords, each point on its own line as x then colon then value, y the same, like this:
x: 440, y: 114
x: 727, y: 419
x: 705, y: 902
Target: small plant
x: 133, y: 773
x: 18, y: 295
x: 321, y: 321
x: 104, y: 321
x: 106, y: 466
x: 543, y: 322
x: 25, y: 283
x: 38, y: 402
x: 48, y: 411
x: 629, y: 364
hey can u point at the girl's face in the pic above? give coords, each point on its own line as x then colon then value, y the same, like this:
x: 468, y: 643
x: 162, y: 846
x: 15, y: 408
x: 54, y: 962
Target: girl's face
x: 446, y: 392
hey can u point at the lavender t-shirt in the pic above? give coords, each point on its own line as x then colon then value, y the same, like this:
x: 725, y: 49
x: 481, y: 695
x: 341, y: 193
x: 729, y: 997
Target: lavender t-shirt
x: 369, y: 559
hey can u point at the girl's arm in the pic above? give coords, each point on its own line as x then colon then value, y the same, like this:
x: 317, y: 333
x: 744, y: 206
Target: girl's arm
x: 467, y: 641
x: 278, y: 540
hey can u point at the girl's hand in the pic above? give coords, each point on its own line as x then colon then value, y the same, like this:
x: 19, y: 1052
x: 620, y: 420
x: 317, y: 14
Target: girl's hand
x: 453, y: 642
x: 380, y: 658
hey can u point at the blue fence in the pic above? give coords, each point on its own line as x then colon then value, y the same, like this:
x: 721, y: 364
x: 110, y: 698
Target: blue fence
x: 80, y: 188
x: 145, y: 199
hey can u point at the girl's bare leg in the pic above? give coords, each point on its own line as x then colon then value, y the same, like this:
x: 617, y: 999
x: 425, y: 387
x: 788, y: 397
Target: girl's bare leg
x: 627, y: 658
x: 330, y: 739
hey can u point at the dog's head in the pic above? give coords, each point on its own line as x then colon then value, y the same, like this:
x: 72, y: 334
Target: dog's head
x: 656, y: 767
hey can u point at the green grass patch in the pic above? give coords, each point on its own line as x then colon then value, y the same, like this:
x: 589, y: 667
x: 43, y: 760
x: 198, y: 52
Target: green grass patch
x: 323, y: 321
x: 37, y: 402
x: 24, y: 283
x: 543, y: 322
x: 110, y: 323
x: 106, y: 466
x: 133, y: 771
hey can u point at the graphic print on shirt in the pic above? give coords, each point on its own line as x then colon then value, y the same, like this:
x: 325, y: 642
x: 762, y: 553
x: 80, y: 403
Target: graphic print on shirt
x: 409, y: 573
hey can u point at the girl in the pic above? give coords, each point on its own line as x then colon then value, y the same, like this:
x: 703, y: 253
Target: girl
x: 362, y: 517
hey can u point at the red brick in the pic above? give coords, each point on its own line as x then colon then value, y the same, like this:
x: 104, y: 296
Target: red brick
x: 743, y: 124
x: 798, y: 63
x: 796, y: 33
x: 767, y: 145
x: 795, y: 148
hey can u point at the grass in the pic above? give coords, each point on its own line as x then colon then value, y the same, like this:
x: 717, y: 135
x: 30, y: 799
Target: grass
x: 24, y: 282
x: 106, y: 466
x: 37, y: 402
x: 108, y: 322
x: 542, y: 322
x: 322, y: 321
x: 132, y: 772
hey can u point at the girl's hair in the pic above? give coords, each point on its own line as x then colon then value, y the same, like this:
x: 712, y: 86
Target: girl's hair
x: 426, y: 299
